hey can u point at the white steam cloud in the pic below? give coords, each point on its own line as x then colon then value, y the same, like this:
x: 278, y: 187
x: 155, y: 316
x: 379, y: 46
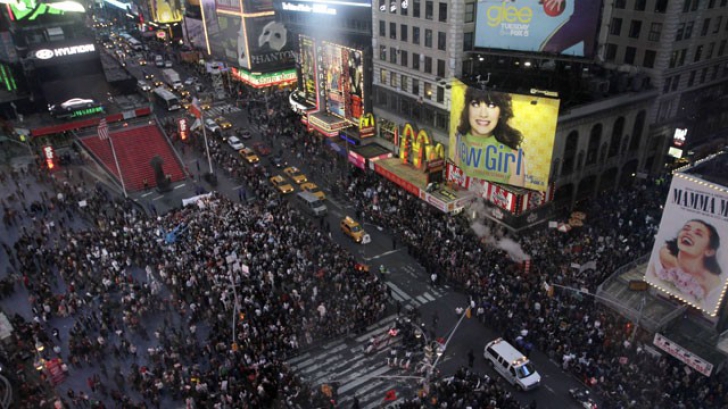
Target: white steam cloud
x: 476, y: 213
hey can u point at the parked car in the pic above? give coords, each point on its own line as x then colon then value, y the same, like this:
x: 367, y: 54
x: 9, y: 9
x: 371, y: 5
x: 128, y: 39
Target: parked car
x: 262, y: 148
x: 280, y: 183
x: 278, y: 161
x: 144, y: 86
x: 314, y: 190
x: 223, y: 122
x: 249, y: 155
x: 190, y: 80
x: 235, y: 143
x: 295, y: 174
x: 212, y: 126
x: 245, y: 134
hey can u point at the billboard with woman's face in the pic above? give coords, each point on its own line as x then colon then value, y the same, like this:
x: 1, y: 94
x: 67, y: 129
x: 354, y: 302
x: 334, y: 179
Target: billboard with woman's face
x: 687, y: 259
x: 501, y: 137
x: 566, y: 27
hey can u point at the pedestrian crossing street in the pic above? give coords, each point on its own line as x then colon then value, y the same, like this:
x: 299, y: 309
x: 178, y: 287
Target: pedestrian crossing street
x: 221, y: 110
x: 366, y: 376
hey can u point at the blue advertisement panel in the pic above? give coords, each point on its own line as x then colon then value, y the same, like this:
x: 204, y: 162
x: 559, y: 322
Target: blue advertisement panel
x: 566, y: 27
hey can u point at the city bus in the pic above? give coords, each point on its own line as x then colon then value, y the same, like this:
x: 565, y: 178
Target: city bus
x: 166, y: 99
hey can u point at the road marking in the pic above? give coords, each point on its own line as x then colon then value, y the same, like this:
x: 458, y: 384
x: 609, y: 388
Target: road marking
x: 422, y: 299
x: 147, y: 194
x: 157, y: 198
x: 386, y: 253
x: 428, y: 296
x: 179, y: 186
x: 398, y: 290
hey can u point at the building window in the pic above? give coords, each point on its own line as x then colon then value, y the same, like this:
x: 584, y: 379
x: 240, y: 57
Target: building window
x: 617, y: 131
x: 703, y: 74
x: 721, y: 49
x: 393, y: 31
x: 441, y: 68
x: 675, y: 82
x: 629, y: 55
x: 403, y: 10
x: 689, y: 30
x: 428, y: 38
x: 698, y: 53
x: 393, y: 80
x: 706, y: 26
x: 615, y: 28
x: 660, y: 6
x: 639, y: 5
x: 415, y: 61
x: 392, y: 55
x: 655, y: 32
x: 403, y: 58
x: 440, y: 94
x: 620, y: 4
x: 416, y: 35
x: 715, y: 72
x: 634, y: 28
x: 403, y: 29
x: 610, y: 53
x: 468, y: 41
x: 469, y: 12
x: 711, y: 4
x: 428, y: 65
x: 429, y: 10
x: 681, y: 60
x: 428, y: 91
x: 442, y: 12
x: 415, y: 86
x: 649, y: 59
x: 383, y: 52
x: 718, y: 22
x: 382, y: 98
x: 691, y: 78
x: 382, y: 28
x: 383, y: 76
x: 594, y: 142
x: 416, y: 8
x: 680, y: 32
x: 441, y: 40
x: 403, y: 83
x: 709, y: 54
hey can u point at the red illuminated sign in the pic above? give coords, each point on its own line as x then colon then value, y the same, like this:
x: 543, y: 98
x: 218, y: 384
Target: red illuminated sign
x: 50, y: 156
x: 183, y: 128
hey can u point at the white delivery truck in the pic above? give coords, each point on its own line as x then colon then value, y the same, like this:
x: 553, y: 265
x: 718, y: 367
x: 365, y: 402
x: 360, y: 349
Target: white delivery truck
x: 172, y: 78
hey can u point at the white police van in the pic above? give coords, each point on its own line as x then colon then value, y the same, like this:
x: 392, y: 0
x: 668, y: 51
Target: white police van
x: 511, y: 364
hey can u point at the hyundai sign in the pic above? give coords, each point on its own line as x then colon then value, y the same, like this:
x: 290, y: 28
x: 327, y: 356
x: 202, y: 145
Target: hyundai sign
x: 48, y: 53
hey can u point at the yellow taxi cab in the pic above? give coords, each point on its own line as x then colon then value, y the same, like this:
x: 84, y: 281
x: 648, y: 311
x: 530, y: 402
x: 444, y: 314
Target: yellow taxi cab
x: 185, y: 103
x: 353, y: 229
x: 223, y: 122
x: 281, y: 184
x: 314, y: 190
x: 295, y: 174
x: 205, y: 105
x: 249, y: 155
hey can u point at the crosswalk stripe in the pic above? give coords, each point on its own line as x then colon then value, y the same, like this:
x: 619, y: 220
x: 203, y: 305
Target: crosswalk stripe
x: 397, y: 297
x: 421, y: 299
x: 382, y: 325
x: 428, y: 296
x: 293, y: 361
x: 316, y: 358
x: 398, y: 290
x: 359, y: 379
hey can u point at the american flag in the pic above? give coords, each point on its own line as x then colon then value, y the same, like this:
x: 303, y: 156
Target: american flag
x: 103, y: 129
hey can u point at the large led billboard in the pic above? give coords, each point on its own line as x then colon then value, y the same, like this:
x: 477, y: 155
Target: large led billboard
x: 501, y: 137
x: 687, y: 259
x: 567, y: 27
x: 344, y: 80
x: 166, y: 11
x: 308, y: 68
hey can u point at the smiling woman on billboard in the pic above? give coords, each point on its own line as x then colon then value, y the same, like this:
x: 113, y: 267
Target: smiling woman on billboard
x: 501, y: 137
x: 484, y: 128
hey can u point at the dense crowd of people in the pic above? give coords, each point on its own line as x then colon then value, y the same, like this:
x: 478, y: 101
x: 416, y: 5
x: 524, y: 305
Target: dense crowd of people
x: 589, y: 340
x: 286, y: 284
x: 202, y: 305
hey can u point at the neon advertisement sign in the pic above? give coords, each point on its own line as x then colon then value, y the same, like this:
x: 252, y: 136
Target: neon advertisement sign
x: 46, y: 53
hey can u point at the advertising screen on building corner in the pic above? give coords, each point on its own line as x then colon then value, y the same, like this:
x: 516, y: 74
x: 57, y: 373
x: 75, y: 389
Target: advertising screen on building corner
x: 501, y: 137
x: 567, y: 27
x: 689, y: 258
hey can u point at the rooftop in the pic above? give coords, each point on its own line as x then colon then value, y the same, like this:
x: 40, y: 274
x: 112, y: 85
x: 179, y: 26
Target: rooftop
x: 713, y: 169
